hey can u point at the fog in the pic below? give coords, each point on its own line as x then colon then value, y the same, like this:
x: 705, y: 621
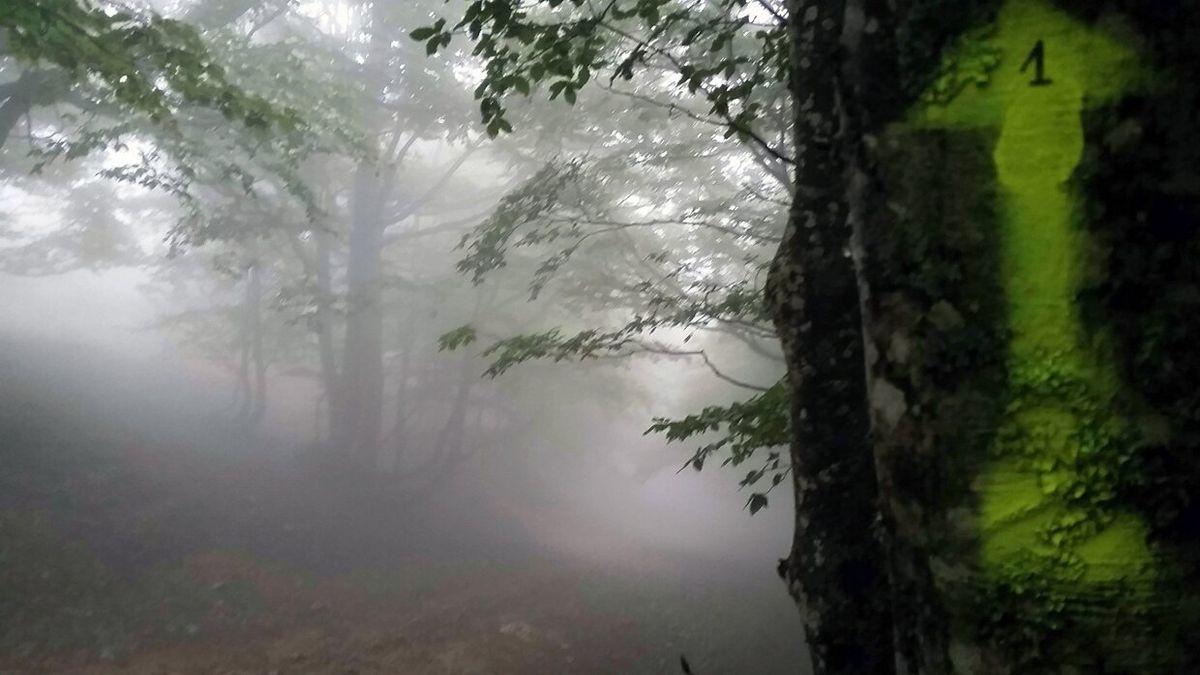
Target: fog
x: 375, y: 395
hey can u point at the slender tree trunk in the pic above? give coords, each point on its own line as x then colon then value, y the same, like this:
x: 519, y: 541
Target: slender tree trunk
x: 253, y: 406
x: 836, y: 566
x: 330, y: 380
x: 251, y: 392
x: 360, y: 419
x: 258, y: 406
x: 243, y: 395
x: 400, y: 423
x: 449, y: 448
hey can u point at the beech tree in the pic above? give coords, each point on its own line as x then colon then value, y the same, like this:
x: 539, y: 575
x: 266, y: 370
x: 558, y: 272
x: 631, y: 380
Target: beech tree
x: 979, y: 295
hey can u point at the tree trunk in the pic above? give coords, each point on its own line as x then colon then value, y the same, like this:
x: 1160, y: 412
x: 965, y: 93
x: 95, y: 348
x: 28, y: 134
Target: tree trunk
x: 836, y: 568
x: 258, y: 406
x: 252, y: 407
x: 406, y: 345
x: 360, y: 419
x: 357, y: 427
x: 1008, y: 442
x: 449, y: 449
x: 330, y: 379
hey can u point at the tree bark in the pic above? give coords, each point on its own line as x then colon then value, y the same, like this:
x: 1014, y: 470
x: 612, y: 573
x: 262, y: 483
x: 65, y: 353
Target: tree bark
x: 359, y: 422
x: 1002, y: 434
x: 835, y: 569
x: 357, y: 428
x: 330, y: 379
x: 398, y: 434
x: 254, y: 293
x: 250, y: 410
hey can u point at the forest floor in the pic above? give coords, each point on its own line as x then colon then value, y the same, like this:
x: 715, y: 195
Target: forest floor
x: 118, y: 557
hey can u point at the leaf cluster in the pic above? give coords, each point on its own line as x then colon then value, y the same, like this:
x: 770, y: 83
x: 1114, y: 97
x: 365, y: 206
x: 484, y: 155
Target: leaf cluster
x: 745, y: 427
x: 718, y: 49
x: 146, y: 62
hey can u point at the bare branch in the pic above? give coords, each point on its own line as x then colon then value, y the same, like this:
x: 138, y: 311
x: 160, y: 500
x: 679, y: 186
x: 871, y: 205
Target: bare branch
x: 659, y: 349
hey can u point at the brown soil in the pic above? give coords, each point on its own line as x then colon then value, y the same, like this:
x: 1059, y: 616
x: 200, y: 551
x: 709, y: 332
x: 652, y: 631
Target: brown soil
x: 159, y: 560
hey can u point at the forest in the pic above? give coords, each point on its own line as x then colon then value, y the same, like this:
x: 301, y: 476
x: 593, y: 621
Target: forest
x: 830, y: 337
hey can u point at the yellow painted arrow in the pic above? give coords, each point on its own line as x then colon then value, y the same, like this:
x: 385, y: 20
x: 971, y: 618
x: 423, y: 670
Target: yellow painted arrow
x: 1047, y: 492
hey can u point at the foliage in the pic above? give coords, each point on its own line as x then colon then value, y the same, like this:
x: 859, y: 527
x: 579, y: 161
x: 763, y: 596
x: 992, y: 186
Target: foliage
x: 720, y: 49
x: 164, y: 85
x: 552, y: 344
x: 530, y: 216
x: 151, y: 64
x: 459, y: 337
x: 640, y: 225
x: 488, y: 243
x: 745, y: 427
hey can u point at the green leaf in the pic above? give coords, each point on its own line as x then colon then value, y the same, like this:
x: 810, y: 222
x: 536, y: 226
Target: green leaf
x: 459, y: 337
x: 423, y: 33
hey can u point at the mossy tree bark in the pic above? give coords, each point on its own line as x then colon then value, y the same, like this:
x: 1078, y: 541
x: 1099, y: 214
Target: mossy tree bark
x: 1004, y: 437
x: 835, y: 569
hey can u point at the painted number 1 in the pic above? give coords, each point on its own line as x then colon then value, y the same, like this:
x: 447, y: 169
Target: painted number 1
x: 1038, y: 58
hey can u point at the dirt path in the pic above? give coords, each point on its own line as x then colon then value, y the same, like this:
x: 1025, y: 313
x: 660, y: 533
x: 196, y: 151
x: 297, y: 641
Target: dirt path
x: 134, y: 559
x: 503, y: 621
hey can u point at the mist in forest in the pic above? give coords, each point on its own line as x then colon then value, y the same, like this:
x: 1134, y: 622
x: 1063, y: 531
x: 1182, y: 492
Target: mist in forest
x: 380, y: 387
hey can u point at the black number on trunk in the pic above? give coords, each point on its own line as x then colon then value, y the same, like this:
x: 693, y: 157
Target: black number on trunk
x: 1037, y: 56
